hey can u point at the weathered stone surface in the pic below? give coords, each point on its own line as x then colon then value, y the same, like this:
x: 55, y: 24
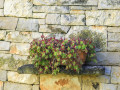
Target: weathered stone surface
x: 16, y: 86
x: 2, y: 35
x: 36, y: 35
x: 1, y: 85
x: 57, y: 36
x: 113, y: 29
x: 4, y: 45
x: 1, y: 12
x: 59, y: 82
x: 19, y: 8
x: 18, y: 57
x: 108, y: 70
x: 109, y: 4
x: 104, y: 86
x: 27, y: 24
x: 103, y: 17
x: 20, y: 48
x: 73, y: 19
x: 80, y: 8
x: 23, y: 78
x: 51, y: 9
x: 1, y: 3
x: 53, y: 19
x: 36, y: 87
x: 5, y: 22
x: 54, y: 28
x: 39, y: 15
x: 5, y: 56
x: 118, y: 87
x: 115, y: 74
x: 3, y: 75
x: 41, y: 21
x: 65, y: 2
x: 19, y: 37
x: 113, y: 36
x: 113, y: 46
x: 77, y: 12
x: 27, y: 69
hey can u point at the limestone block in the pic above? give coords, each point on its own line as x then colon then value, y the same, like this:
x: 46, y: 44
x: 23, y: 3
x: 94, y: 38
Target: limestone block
x: 1, y: 85
x: 36, y: 35
x: 16, y: 86
x: 39, y: 15
x: 115, y: 74
x: 20, y: 48
x: 65, y: 2
x: 73, y: 19
x: 19, y: 8
x: 104, y: 86
x: 4, y: 45
x: 27, y: 24
x: 23, y: 78
x: 5, y: 22
x: 113, y: 36
x: 113, y: 46
x: 80, y: 8
x: 103, y: 17
x: 109, y: 4
x: 51, y: 9
x: 53, y: 19
x: 113, y: 29
x: 1, y: 3
x: 59, y: 82
x: 57, y: 36
x: 77, y: 12
x: 1, y: 12
x: 108, y: 70
x: 19, y: 57
x: 2, y: 35
x: 3, y: 75
x: 5, y: 56
x: 36, y: 87
x: 41, y: 21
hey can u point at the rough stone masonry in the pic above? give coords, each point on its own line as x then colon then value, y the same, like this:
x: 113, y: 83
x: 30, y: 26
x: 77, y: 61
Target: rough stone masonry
x: 21, y: 21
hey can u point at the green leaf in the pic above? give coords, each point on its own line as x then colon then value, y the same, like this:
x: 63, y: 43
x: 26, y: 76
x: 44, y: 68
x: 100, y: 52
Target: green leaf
x: 47, y: 51
x: 79, y: 47
x: 83, y: 47
x: 81, y: 42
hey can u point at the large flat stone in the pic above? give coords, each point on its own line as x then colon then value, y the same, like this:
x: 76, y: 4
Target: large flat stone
x: 5, y: 22
x: 59, y: 82
x: 109, y: 4
x: 27, y: 24
x: 104, y: 86
x: 103, y: 17
x: 23, y: 78
x: 113, y: 46
x: 1, y: 3
x: 2, y: 35
x: 1, y: 85
x: 19, y: 8
x: 113, y: 36
x: 16, y: 86
x: 3, y: 75
x: 20, y: 48
x: 73, y: 19
x: 113, y: 29
x: 39, y: 15
x: 4, y: 45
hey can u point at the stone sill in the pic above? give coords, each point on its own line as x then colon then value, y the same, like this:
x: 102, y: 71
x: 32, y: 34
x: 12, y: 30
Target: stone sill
x: 86, y: 70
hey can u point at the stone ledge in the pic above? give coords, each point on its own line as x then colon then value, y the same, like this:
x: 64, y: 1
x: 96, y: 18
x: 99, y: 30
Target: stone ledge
x: 86, y: 70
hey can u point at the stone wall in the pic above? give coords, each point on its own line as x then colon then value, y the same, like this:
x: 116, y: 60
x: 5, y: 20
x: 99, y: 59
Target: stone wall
x: 21, y: 21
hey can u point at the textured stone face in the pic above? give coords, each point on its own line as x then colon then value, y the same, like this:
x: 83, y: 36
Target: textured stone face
x: 19, y: 8
x: 109, y: 4
x: 5, y: 22
x: 4, y: 45
x: 102, y: 17
x: 15, y: 86
x: 113, y: 46
x: 39, y: 15
x: 1, y: 85
x: 27, y: 24
x: 59, y: 82
x: 1, y: 3
x: 23, y: 78
x: 114, y: 29
x: 20, y: 48
x: 3, y: 75
x: 113, y: 36
x: 73, y: 19
x: 104, y: 86
x: 1, y: 12
x: 35, y: 87
x: 2, y: 35
x: 19, y: 57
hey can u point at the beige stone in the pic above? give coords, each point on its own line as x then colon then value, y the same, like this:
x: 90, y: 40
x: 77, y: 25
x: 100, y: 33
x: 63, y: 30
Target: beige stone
x: 2, y: 35
x: 20, y: 48
x: 113, y: 46
x: 113, y: 29
x: 113, y: 36
x: 1, y: 3
x: 23, y: 78
x: 80, y: 8
x: 16, y: 86
x: 19, y: 57
x: 36, y: 35
x: 4, y: 45
x: 41, y: 21
x: 5, y: 23
x: 77, y: 12
x: 1, y: 12
x: 1, y: 85
x: 3, y: 75
x: 5, y: 56
x: 104, y: 86
x: 19, y: 8
x: 36, y: 87
x: 59, y: 82
x: 39, y: 15
x: 115, y: 75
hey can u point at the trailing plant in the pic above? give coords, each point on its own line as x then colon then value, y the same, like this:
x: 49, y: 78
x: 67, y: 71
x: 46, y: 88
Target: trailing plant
x: 49, y: 53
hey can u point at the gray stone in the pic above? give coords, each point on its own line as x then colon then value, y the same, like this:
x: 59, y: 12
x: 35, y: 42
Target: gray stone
x: 39, y: 15
x: 4, y: 45
x: 5, y: 23
x: 73, y: 19
x: 113, y: 29
x: 109, y: 4
x: 118, y: 87
x: 51, y: 9
x: 1, y: 12
x: 19, y: 8
x: 3, y: 75
x: 18, y: 57
x: 1, y: 3
x: 107, y: 70
x: 113, y: 46
x: 80, y: 8
x: 2, y: 35
x: 103, y: 17
x: 104, y: 86
x: 27, y: 24
x: 16, y: 86
x: 113, y: 36
x: 53, y: 19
